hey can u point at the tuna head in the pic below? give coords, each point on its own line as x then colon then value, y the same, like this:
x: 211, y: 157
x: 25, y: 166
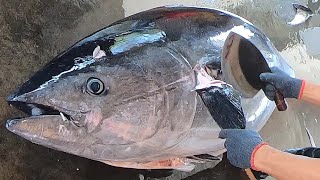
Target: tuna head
x: 93, y: 105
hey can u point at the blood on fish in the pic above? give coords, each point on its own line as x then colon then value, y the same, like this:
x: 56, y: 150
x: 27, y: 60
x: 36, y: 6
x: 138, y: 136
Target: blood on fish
x: 93, y: 119
x: 180, y: 14
x: 175, y: 163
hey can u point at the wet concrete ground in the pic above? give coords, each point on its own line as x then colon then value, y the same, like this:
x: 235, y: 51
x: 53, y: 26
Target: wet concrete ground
x: 32, y: 32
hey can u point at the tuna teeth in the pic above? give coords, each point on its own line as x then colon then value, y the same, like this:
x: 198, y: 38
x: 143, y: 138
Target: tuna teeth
x: 70, y: 119
x: 64, y: 118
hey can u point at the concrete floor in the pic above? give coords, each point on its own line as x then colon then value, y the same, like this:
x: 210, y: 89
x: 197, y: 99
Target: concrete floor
x: 32, y: 32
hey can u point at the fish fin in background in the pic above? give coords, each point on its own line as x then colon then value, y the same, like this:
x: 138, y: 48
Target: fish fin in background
x: 224, y: 105
x: 181, y: 164
x: 312, y: 143
x: 302, y: 7
x: 303, y: 13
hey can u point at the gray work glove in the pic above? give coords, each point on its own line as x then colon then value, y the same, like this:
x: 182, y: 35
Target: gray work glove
x: 288, y: 86
x: 240, y: 145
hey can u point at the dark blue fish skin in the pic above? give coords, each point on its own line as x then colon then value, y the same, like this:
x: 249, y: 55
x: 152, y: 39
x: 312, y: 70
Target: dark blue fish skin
x: 85, y: 47
x: 61, y: 63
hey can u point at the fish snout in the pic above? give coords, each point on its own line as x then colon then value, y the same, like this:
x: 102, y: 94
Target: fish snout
x: 43, y: 129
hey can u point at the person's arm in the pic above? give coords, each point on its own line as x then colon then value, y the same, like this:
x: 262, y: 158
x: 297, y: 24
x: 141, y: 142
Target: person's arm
x: 246, y: 149
x: 281, y: 165
x: 290, y: 87
x: 311, y: 93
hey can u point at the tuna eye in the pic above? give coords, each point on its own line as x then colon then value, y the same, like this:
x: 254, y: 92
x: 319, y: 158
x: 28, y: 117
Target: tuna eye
x: 95, y: 86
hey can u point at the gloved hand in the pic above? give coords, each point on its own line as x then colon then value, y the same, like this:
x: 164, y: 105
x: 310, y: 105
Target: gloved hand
x: 241, y: 146
x: 288, y: 86
x: 311, y: 152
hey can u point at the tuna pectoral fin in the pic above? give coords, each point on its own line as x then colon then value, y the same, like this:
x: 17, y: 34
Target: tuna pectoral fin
x: 224, y: 105
x: 177, y: 164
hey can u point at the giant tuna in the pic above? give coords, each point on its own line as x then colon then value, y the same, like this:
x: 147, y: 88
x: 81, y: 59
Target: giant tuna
x: 128, y: 95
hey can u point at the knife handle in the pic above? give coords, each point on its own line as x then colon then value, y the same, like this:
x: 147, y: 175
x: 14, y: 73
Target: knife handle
x: 280, y: 101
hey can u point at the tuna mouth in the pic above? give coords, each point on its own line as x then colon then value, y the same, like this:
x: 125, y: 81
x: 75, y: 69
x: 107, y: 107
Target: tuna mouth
x: 33, y: 110
x: 44, y: 125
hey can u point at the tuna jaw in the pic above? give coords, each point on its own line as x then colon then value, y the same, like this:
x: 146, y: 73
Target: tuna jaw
x: 44, y: 123
x: 48, y: 130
